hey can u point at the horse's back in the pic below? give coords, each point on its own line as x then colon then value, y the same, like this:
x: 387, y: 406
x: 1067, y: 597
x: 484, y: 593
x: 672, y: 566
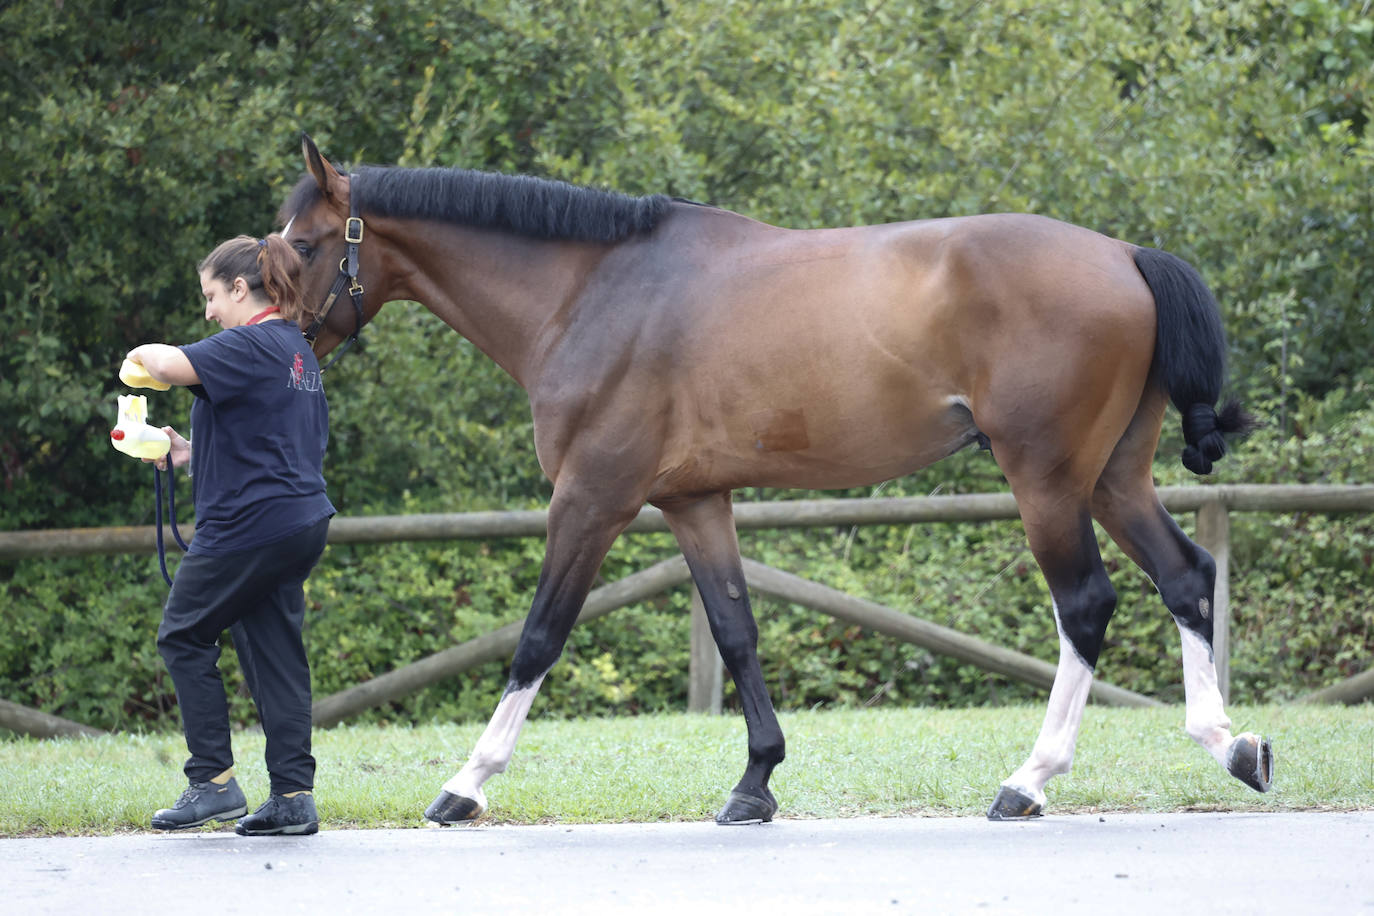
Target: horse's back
x: 920, y: 276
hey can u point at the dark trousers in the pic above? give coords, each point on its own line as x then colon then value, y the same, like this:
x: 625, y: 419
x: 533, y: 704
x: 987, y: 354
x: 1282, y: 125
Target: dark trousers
x: 258, y: 595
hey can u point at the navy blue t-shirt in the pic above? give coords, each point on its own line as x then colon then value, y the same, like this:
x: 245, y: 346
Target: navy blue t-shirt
x: 259, y: 426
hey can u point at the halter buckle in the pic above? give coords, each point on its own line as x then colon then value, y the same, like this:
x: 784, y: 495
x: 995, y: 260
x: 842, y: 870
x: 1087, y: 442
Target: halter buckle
x: 353, y: 234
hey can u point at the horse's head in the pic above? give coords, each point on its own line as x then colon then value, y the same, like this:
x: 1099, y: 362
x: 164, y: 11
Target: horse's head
x: 337, y: 263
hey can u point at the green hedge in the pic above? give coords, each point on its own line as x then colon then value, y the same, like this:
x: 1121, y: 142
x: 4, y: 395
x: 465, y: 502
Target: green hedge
x: 135, y: 137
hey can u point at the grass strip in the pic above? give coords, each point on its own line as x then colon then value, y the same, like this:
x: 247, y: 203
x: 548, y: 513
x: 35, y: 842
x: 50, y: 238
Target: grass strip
x: 845, y: 763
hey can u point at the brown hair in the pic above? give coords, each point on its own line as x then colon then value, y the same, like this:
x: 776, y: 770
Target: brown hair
x: 269, y: 264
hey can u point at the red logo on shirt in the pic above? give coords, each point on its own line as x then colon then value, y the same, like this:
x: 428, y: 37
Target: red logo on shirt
x: 301, y: 380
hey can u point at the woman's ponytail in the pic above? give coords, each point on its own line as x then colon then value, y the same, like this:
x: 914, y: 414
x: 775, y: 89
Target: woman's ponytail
x: 279, y: 266
x: 268, y: 264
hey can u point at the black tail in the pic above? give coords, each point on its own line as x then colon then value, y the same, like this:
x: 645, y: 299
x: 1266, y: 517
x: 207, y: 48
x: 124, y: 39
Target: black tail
x: 1190, y: 352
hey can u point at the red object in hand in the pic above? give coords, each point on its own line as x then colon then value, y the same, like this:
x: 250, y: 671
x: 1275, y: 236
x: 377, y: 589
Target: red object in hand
x: 117, y: 434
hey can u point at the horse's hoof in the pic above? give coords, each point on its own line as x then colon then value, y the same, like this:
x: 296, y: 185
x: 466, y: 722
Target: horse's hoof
x: 1013, y: 805
x: 454, y: 809
x: 747, y: 809
x: 1251, y: 760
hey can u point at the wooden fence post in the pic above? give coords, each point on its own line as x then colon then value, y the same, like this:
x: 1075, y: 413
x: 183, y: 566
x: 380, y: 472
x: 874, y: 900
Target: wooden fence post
x: 705, y: 670
x: 1214, y: 536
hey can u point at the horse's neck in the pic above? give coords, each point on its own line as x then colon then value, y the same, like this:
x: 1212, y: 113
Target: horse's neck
x: 498, y: 290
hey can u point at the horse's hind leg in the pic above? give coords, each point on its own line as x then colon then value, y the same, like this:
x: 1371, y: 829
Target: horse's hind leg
x: 1185, y: 575
x: 705, y: 530
x: 581, y: 531
x: 1060, y: 532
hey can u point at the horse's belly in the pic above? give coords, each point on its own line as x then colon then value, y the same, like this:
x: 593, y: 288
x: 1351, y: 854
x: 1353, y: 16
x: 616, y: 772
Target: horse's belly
x: 859, y: 454
x: 808, y: 447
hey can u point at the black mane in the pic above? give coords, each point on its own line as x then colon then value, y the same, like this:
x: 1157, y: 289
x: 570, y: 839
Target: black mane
x: 534, y: 207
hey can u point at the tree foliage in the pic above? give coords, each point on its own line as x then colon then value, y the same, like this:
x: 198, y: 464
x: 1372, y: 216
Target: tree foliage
x: 137, y: 135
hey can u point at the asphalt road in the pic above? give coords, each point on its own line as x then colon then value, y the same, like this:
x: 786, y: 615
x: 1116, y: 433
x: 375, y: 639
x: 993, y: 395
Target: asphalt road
x: 1119, y: 863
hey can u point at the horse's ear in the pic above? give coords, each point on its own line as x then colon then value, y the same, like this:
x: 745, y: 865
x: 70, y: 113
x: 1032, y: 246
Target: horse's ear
x: 326, y: 176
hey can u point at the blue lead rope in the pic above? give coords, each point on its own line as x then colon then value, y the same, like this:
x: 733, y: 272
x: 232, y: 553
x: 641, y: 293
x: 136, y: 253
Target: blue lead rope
x: 171, y: 517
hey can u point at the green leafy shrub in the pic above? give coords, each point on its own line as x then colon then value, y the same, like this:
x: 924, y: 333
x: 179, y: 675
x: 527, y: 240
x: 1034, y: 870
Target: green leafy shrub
x: 1236, y: 134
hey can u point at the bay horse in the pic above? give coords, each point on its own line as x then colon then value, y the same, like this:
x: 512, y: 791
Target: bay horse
x: 673, y: 352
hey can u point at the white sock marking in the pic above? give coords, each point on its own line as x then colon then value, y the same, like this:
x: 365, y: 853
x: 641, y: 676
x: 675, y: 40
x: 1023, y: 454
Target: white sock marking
x: 494, y: 748
x: 1053, y: 750
x: 1206, y: 720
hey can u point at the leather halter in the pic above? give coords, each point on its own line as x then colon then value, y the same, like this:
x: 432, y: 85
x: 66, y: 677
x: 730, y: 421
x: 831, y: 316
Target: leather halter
x: 347, y: 278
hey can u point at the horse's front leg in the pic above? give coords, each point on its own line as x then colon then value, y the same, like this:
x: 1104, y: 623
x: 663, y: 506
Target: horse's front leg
x: 462, y: 798
x: 581, y: 531
x: 705, y: 531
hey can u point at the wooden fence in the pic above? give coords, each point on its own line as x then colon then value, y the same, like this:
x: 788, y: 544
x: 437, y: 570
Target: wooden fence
x: 1212, y: 504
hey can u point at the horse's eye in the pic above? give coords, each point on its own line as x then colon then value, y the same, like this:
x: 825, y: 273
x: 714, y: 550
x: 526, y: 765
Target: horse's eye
x: 305, y: 251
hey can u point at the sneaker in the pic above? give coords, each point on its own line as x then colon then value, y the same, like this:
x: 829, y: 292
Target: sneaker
x: 281, y: 815
x: 201, y: 803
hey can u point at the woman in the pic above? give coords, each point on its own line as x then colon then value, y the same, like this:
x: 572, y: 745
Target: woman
x: 260, y: 424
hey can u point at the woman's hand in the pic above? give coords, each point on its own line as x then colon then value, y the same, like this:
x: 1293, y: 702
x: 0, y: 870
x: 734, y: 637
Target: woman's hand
x: 180, y: 452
